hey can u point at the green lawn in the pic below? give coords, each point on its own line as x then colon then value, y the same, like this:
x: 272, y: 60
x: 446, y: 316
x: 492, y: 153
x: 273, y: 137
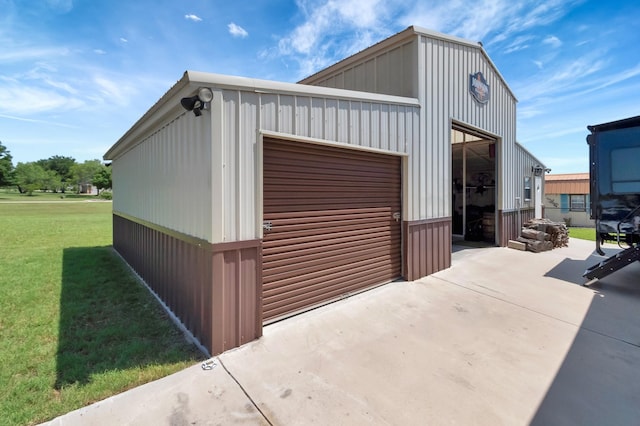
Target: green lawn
x: 583, y: 233
x: 75, y: 326
x: 12, y: 194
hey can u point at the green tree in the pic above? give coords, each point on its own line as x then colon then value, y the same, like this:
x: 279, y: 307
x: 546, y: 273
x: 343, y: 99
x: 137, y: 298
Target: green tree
x: 62, y: 166
x: 6, y: 166
x: 53, y: 181
x: 29, y: 177
x: 102, y: 178
x: 83, y: 173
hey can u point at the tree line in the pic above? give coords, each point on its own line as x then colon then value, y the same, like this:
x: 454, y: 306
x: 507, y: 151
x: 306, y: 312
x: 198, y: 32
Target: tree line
x: 55, y: 174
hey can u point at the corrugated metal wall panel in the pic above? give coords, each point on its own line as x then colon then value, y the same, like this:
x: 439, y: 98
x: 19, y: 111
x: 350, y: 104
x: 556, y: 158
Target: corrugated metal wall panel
x: 317, y: 119
x: 214, y: 290
x: 436, y: 71
x: 303, y: 115
x: 353, y: 122
x: 567, y: 186
x: 286, y: 114
x: 166, y: 178
x: 392, y: 72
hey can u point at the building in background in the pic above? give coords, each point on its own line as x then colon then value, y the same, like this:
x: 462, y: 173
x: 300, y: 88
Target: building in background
x: 567, y: 199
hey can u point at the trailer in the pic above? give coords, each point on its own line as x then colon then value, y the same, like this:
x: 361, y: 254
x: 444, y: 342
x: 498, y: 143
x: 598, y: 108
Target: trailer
x: 614, y: 167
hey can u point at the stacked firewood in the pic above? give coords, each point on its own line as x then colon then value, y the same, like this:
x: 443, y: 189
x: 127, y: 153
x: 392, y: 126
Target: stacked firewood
x: 543, y: 234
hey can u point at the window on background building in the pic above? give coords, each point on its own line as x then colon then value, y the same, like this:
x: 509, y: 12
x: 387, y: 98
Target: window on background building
x: 527, y: 188
x: 577, y: 203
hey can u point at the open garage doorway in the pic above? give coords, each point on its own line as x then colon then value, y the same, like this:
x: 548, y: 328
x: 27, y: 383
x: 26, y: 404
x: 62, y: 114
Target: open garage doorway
x: 474, y: 174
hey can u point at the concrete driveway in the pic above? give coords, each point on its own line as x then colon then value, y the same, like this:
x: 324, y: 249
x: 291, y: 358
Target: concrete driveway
x: 503, y: 337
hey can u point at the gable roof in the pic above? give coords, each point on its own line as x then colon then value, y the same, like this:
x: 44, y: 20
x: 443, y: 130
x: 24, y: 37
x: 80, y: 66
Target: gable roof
x: 406, y: 34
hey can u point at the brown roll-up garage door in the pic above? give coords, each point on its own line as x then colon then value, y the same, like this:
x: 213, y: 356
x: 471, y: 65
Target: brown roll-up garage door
x: 332, y: 224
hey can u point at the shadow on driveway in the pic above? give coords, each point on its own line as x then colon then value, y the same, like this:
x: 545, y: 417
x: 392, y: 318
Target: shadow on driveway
x: 599, y: 380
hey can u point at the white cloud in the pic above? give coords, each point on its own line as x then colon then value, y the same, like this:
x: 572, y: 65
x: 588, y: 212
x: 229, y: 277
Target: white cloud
x: 331, y: 30
x: 99, y: 52
x: 22, y: 53
x: 124, y: 40
x: 192, y: 17
x: 552, y: 41
x: 22, y: 99
x: 62, y: 6
x: 237, y: 30
x: 518, y: 43
x: 113, y: 92
x: 33, y: 120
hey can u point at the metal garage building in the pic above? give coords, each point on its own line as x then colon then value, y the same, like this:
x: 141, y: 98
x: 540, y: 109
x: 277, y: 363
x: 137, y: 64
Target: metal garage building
x: 271, y: 198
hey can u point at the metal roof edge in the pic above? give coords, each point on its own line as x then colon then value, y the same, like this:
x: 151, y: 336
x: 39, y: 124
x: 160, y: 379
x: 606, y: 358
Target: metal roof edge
x: 562, y: 177
x: 407, y: 33
x: 518, y: 144
x: 270, y: 86
x: 459, y: 40
x: 614, y: 125
x: 144, y: 121
x: 220, y: 81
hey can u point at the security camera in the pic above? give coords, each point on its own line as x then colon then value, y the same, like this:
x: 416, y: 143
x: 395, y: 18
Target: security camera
x: 198, y: 102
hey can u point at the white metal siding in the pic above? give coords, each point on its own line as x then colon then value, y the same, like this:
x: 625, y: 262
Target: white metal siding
x: 446, y: 97
x: 166, y: 178
x: 392, y: 72
x: 436, y: 71
x: 392, y: 128
x: 521, y: 166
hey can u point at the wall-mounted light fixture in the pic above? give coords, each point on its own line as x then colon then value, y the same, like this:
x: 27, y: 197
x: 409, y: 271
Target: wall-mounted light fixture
x: 537, y: 170
x: 198, y: 102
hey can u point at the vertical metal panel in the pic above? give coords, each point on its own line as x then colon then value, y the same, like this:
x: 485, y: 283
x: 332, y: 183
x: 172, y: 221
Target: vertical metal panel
x: 286, y: 114
x: 353, y: 122
x: 392, y: 72
x: 511, y: 222
x: 214, y: 290
x: 344, y: 123
x: 269, y: 111
x: 427, y: 247
x: 317, y: 118
x: 175, y: 270
x: 244, y: 212
x: 303, y: 115
x: 165, y: 179
x: 331, y: 119
x: 436, y: 71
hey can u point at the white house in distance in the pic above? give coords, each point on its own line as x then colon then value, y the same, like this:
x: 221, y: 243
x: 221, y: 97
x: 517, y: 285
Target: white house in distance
x: 242, y: 201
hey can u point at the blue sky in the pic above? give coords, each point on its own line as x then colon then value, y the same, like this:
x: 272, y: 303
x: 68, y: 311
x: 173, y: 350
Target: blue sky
x: 76, y: 74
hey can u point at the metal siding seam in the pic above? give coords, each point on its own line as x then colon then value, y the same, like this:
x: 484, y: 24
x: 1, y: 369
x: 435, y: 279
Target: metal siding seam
x: 216, y: 169
x: 229, y: 182
x: 343, y: 121
x: 392, y: 133
x: 331, y: 132
x: 354, y: 123
x: 384, y: 127
x: 375, y: 126
x: 238, y: 166
x: 316, y: 118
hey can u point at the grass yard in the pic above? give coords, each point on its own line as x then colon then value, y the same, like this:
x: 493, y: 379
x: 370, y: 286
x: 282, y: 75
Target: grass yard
x: 75, y: 326
x: 583, y: 233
